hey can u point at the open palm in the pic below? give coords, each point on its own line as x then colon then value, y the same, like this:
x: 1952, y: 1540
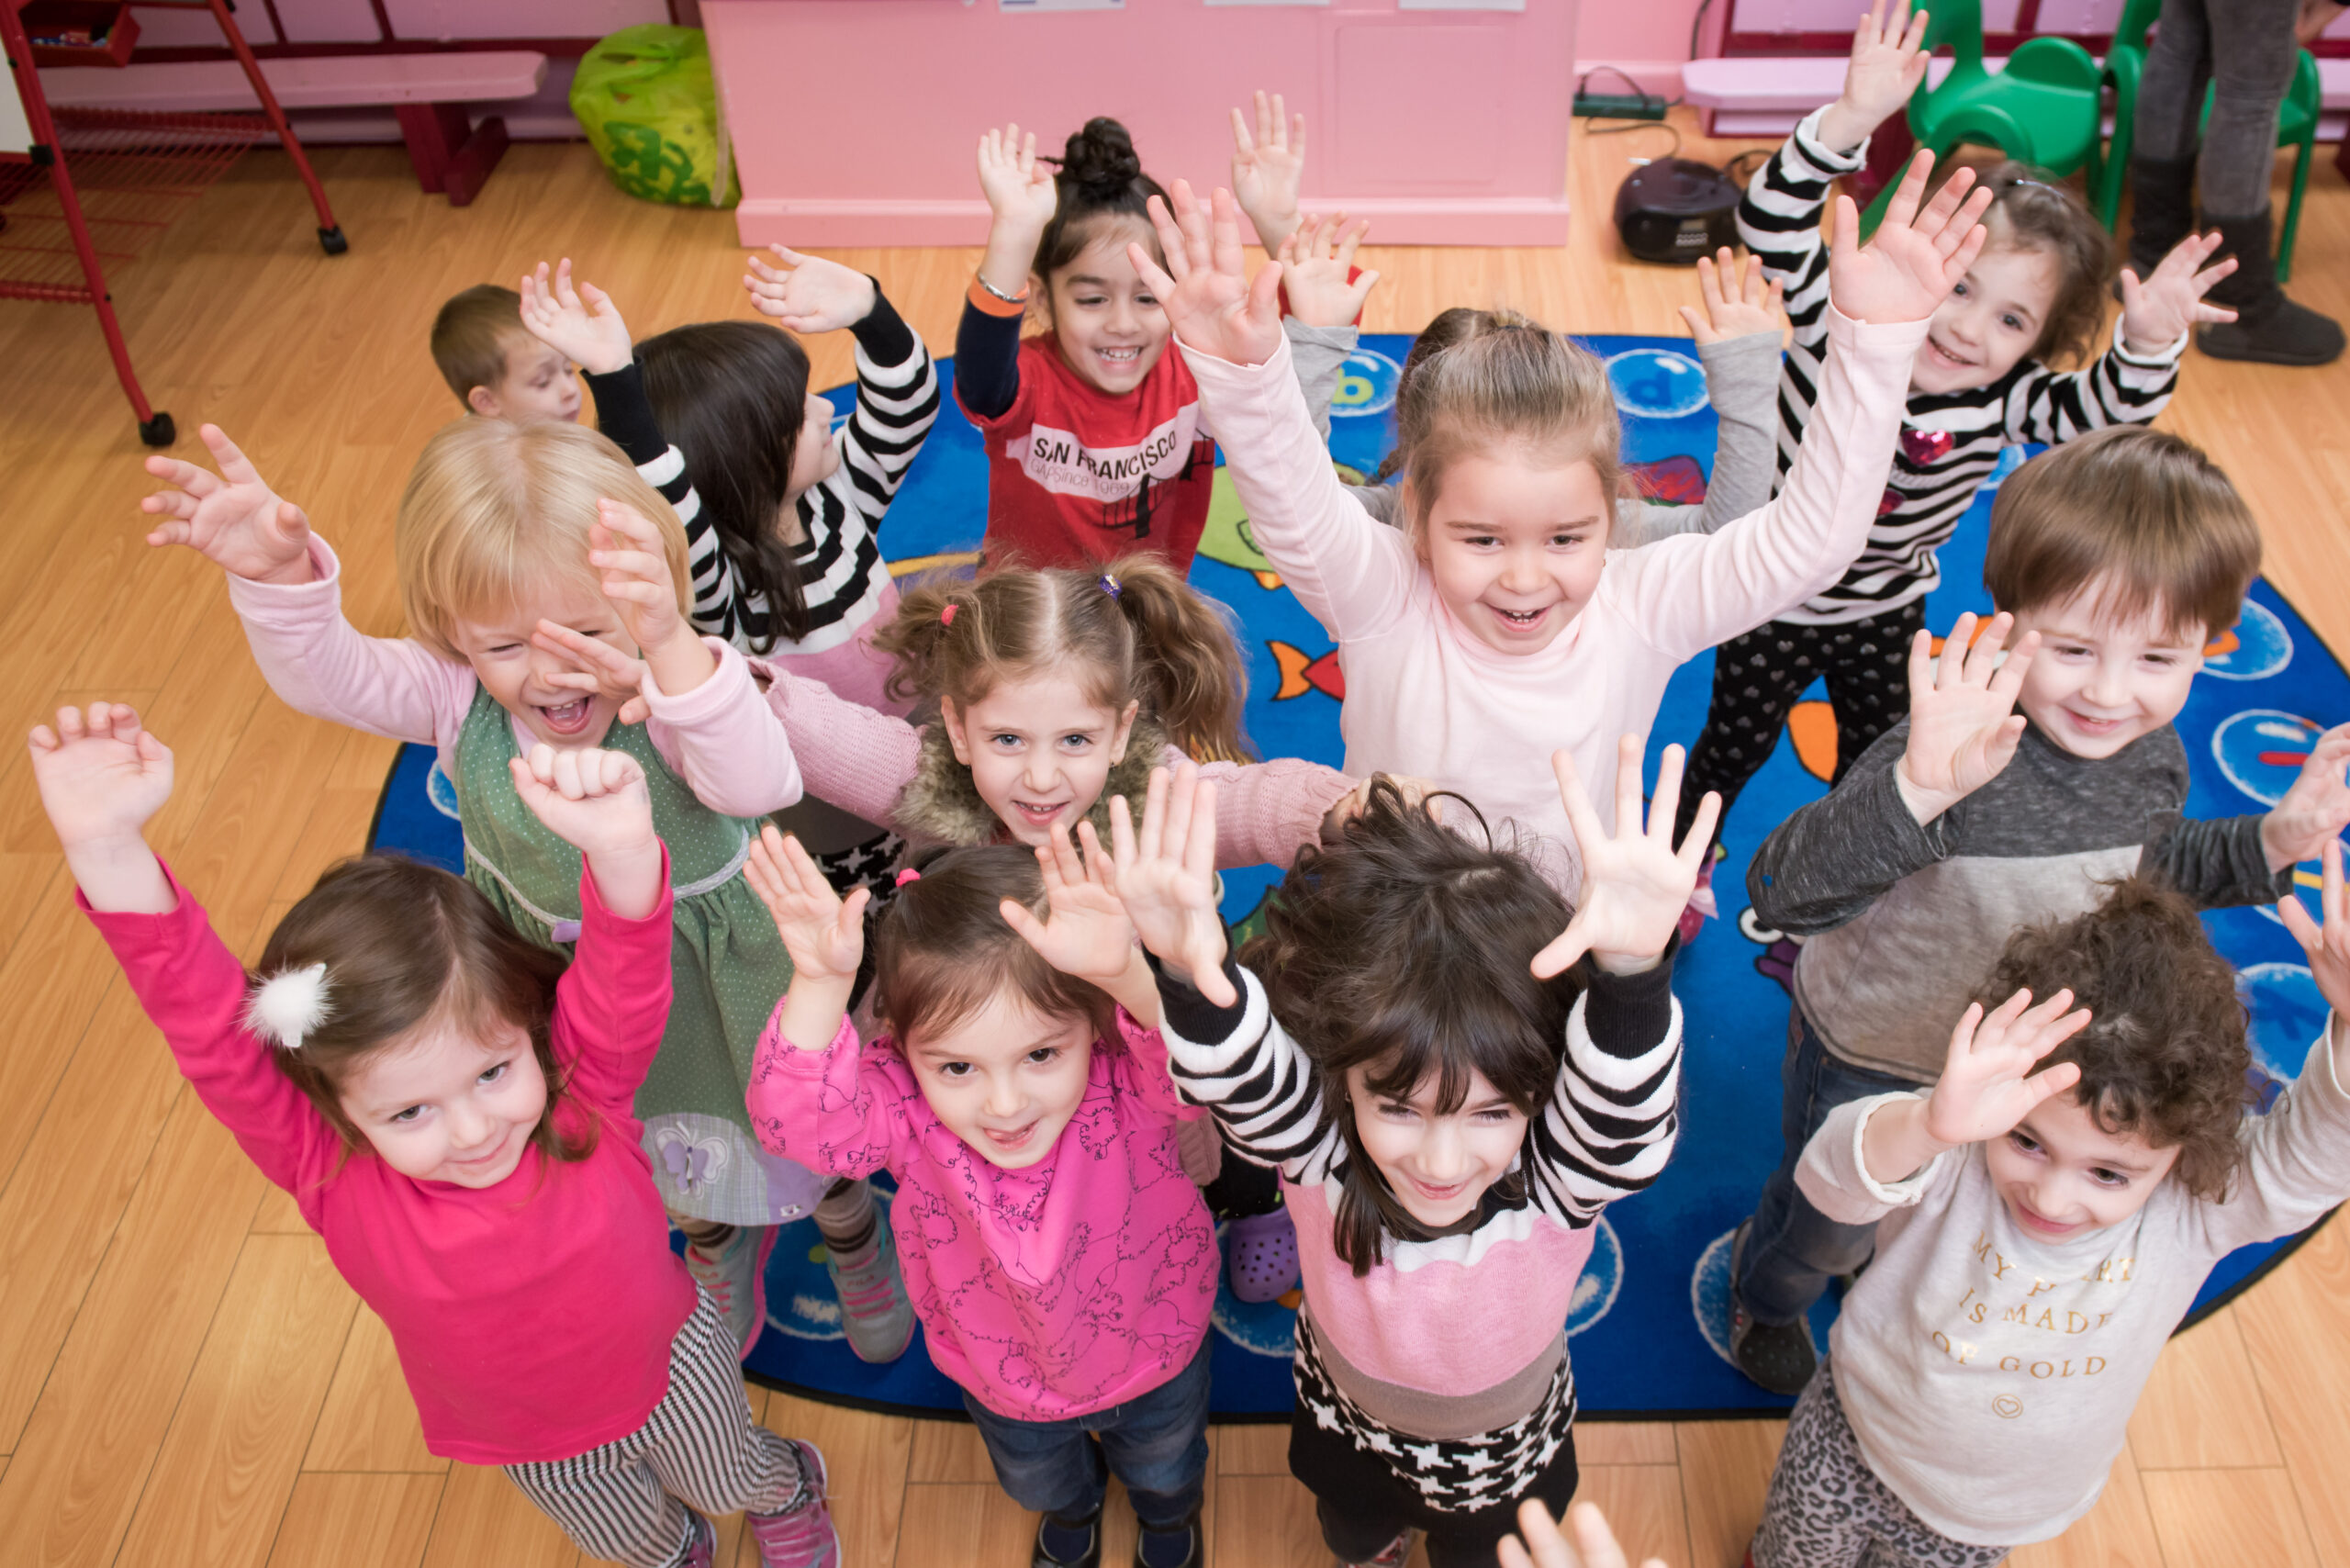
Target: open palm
x: 101, y: 776
x: 1085, y: 932
x: 1917, y: 255
x: 1964, y: 728
x: 1209, y: 300
x: 1166, y: 876
x: 232, y: 519
x: 824, y: 935
x: 1988, y: 1085
x: 1635, y: 884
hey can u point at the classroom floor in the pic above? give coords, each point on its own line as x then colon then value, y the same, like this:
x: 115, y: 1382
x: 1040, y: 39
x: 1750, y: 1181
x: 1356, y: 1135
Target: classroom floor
x: 184, y: 1378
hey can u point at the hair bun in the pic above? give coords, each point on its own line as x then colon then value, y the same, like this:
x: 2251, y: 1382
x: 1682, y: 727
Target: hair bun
x: 1100, y: 160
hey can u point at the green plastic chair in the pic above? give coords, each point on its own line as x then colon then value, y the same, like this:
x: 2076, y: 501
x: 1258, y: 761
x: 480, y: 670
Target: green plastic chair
x: 2125, y: 63
x: 2043, y: 110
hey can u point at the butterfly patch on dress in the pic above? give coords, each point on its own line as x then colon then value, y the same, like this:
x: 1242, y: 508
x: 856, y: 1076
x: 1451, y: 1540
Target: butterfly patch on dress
x: 692, y: 1163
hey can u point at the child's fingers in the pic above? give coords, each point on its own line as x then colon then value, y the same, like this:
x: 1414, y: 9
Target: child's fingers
x: 1122, y: 833
x: 1176, y: 834
x: 1264, y: 289
x: 1628, y: 787
x: 45, y: 739
x: 1154, y: 814
x: 1844, y: 227
x: 1699, y: 843
x: 1089, y: 845
x: 1199, y: 848
x: 1922, y: 663
x: 1351, y: 239
x: 1950, y: 670
x: 1983, y: 653
x: 1224, y: 228
x: 1709, y: 285
x: 1360, y: 291
x: 2008, y: 680
x: 1699, y: 328
x: 1563, y: 951
x: 2049, y: 1082
x: 1170, y: 245
x: 196, y: 481
x: 1030, y: 929
x: 1242, y: 143
x: 1973, y: 236
x: 1907, y: 197
x: 1581, y: 818
x: 2329, y: 892
x: 1279, y: 120
x: 788, y: 256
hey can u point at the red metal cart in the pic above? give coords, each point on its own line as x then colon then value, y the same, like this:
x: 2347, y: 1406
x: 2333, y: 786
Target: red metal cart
x: 96, y: 185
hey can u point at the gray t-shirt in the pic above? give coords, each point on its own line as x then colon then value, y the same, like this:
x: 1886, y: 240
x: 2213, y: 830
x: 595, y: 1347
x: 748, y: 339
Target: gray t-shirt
x: 1741, y: 382
x: 1907, y: 922
x: 1990, y: 1375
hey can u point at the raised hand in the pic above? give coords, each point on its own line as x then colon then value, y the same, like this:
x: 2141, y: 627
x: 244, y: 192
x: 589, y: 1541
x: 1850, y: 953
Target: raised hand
x: 2316, y: 808
x: 1917, y: 255
x: 1166, y: 878
x: 1594, y: 1545
x: 593, y: 800
x: 602, y: 670
x: 824, y: 935
x: 1211, y: 303
x: 1086, y: 932
x: 1315, y: 262
x: 809, y: 294
x: 2327, y: 945
x: 232, y: 519
x: 1734, y: 301
x: 1963, y: 724
x: 633, y: 563
x: 580, y: 323
x: 2156, y: 311
x: 1635, y: 884
x: 1888, y: 61
x: 1988, y: 1085
x: 1269, y: 169
x: 101, y: 775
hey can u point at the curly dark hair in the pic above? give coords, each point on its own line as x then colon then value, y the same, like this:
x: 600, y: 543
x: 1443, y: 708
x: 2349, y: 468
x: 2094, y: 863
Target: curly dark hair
x: 1405, y: 949
x: 2164, y: 1055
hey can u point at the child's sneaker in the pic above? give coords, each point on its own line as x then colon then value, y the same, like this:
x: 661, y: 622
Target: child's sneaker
x: 1779, y: 1357
x: 1261, y: 1256
x: 1060, y: 1544
x: 1178, y: 1548
x: 1398, y: 1552
x: 737, y: 1281
x: 803, y: 1538
x: 1701, y: 907
x: 704, y: 1552
x: 875, y: 1314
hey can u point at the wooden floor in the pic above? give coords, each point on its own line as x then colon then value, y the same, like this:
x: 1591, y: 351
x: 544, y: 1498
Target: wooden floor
x: 183, y: 1376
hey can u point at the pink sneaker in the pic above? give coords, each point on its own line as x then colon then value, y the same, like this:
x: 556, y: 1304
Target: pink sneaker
x: 704, y: 1552
x: 737, y: 1281
x: 803, y: 1538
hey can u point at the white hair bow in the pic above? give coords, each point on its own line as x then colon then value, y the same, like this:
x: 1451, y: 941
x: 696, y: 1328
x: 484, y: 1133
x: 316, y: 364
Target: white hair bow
x: 288, y: 1006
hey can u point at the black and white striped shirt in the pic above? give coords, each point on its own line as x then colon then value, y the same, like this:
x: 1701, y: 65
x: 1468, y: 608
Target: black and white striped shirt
x: 842, y: 572
x: 1950, y: 442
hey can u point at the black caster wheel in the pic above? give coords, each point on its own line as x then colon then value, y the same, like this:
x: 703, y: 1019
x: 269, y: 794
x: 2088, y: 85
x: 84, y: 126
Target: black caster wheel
x: 159, y: 431
x: 331, y: 240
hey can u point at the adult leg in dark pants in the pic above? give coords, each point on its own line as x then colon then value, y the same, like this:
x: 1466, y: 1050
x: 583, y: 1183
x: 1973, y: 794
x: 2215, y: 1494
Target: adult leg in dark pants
x: 1789, y: 1250
x: 2248, y: 63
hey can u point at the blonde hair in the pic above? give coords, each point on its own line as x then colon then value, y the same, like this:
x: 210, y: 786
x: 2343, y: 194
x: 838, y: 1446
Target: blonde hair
x: 1456, y: 325
x: 2139, y: 508
x: 470, y: 335
x: 496, y: 514
x: 1136, y: 629
x: 1508, y: 385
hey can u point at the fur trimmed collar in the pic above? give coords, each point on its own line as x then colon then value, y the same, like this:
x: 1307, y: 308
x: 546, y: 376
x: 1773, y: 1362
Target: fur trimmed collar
x: 941, y: 803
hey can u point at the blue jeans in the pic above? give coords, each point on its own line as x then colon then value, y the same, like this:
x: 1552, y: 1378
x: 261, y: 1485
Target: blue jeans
x: 1792, y: 1249
x: 1156, y: 1442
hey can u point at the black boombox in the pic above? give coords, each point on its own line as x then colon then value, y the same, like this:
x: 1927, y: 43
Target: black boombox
x: 1676, y: 209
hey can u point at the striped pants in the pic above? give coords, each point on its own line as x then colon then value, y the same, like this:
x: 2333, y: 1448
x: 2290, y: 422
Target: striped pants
x: 633, y: 1500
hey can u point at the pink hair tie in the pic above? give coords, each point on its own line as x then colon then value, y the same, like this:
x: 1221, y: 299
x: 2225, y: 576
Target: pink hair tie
x: 947, y: 616
x: 909, y: 874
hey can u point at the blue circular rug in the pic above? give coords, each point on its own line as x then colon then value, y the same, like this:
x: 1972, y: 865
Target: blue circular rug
x: 1650, y: 1318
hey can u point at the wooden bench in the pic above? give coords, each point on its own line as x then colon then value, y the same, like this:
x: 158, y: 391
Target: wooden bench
x: 428, y: 93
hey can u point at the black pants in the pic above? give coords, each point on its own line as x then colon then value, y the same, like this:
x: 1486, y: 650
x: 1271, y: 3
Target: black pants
x: 2250, y: 61
x: 1758, y: 678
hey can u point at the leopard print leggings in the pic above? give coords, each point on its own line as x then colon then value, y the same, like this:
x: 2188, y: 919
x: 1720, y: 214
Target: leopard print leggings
x: 1828, y: 1509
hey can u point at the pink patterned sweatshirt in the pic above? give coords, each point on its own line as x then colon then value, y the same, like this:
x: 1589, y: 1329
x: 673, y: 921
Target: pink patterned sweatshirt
x: 532, y: 1318
x: 861, y: 761
x: 719, y: 737
x: 1083, y: 1281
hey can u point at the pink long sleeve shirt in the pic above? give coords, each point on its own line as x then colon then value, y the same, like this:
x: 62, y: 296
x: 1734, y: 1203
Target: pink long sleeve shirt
x: 861, y: 761
x: 1425, y: 697
x: 1070, y: 1286
x: 532, y: 1318
x: 720, y: 737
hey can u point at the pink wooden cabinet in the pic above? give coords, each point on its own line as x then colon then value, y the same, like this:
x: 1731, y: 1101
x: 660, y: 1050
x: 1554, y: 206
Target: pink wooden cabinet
x: 854, y: 122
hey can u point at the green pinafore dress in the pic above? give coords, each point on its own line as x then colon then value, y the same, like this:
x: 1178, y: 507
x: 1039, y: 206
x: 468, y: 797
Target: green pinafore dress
x: 729, y: 967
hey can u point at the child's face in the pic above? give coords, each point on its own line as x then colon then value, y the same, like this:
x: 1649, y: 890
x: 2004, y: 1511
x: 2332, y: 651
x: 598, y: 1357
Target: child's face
x: 445, y: 1106
x: 815, y: 455
x: 1039, y: 750
x: 2101, y: 681
x: 1438, y: 1166
x: 1988, y: 322
x: 515, y: 672
x: 1005, y: 1080
x: 2060, y: 1173
x: 539, y: 384
x: 1110, y: 326
x: 1515, y: 547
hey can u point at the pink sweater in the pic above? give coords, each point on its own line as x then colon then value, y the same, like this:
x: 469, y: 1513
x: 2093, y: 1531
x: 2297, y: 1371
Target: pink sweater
x: 722, y: 739
x: 861, y: 761
x: 532, y: 1318
x: 1424, y: 697
x: 1067, y: 1287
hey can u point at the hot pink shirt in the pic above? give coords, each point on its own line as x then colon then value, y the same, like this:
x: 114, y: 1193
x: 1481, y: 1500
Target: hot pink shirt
x: 1427, y: 697
x: 861, y: 761
x: 1067, y: 1287
x: 719, y: 737
x: 532, y: 1318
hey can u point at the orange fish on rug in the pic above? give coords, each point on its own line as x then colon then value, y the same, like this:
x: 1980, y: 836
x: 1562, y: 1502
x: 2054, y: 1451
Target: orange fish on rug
x: 1302, y: 672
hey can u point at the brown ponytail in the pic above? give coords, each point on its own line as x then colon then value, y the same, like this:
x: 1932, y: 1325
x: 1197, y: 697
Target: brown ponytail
x: 1140, y: 632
